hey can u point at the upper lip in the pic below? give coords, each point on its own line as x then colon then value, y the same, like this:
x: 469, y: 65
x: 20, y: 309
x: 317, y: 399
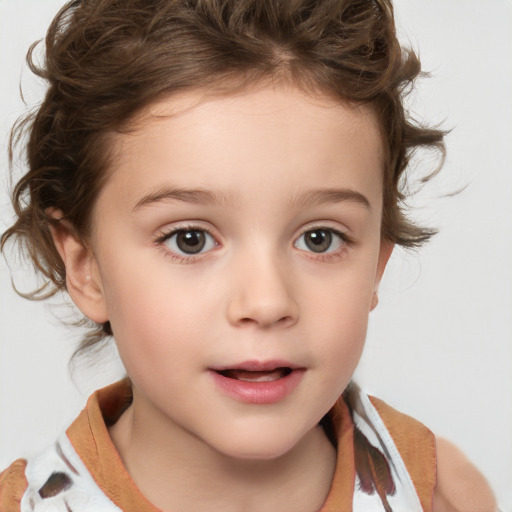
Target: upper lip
x: 257, y: 366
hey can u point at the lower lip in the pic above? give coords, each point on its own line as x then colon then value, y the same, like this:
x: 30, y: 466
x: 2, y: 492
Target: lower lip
x: 266, y: 392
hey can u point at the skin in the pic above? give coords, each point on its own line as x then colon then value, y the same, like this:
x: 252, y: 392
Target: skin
x: 256, y: 292
x: 460, y: 486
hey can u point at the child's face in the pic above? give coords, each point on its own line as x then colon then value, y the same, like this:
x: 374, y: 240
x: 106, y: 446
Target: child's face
x: 241, y: 233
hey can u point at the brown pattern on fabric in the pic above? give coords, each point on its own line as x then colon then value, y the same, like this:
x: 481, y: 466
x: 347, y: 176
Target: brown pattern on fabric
x: 60, y: 453
x: 371, y: 465
x: 57, y: 483
x: 372, y: 469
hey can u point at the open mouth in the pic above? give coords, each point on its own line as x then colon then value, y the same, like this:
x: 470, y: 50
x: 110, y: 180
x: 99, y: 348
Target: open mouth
x: 256, y: 376
x: 258, y: 382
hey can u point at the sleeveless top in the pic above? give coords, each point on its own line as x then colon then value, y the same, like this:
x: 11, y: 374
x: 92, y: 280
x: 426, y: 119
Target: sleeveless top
x: 83, y: 472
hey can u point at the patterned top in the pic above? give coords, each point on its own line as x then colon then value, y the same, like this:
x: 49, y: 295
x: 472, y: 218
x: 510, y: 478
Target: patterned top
x: 83, y: 472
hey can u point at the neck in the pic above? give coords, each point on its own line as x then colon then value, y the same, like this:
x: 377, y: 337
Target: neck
x: 177, y: 471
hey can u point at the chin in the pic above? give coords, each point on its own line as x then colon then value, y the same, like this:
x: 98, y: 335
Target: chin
x: 256, y: 447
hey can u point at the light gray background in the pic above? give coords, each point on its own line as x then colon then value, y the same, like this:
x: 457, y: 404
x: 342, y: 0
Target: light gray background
x: 440, y: 342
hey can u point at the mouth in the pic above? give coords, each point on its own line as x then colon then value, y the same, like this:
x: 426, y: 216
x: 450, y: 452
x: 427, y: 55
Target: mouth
x: 256, y: 375
x: 258, y: 382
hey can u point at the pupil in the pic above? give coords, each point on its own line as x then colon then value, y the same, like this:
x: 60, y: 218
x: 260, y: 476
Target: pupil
x: 191, y: 242
x: 318, y: 240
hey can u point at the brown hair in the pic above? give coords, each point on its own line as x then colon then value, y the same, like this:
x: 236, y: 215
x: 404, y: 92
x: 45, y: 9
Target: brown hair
x: 107, y: 59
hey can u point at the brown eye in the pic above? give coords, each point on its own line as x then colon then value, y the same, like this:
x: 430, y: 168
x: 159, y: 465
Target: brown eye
x: 320, y: 240
x: 189, y: 241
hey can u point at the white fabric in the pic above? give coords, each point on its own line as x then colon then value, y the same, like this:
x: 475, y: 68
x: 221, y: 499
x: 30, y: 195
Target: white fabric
x: 83, y: 495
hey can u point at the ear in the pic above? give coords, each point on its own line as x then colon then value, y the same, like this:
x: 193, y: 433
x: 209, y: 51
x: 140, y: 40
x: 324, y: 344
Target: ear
x: 386, y: 249
x: 83, y: 279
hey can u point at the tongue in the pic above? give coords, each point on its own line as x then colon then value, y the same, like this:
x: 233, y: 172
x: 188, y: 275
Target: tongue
x: 255, y: 376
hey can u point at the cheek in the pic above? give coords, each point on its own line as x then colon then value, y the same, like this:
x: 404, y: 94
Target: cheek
x: 339, y: 312
x: 342, y: 298
x: 154, y: 315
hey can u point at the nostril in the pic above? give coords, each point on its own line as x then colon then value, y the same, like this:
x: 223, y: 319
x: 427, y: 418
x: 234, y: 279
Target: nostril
x: 286, y: 320
x: 267, y: 322
x: 247, y: 320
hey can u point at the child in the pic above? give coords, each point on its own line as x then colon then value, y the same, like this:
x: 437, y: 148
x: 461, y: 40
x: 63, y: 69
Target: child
x: 216, y: 185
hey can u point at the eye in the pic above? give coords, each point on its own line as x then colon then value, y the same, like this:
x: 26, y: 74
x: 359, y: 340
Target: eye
x: 189, y: 241
x: 321, y: 240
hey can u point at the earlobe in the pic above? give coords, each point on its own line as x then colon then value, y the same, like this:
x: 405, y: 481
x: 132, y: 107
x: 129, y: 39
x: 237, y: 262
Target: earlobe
x: 386, y: 249
x: 375, y: 299
x: 83, y: 280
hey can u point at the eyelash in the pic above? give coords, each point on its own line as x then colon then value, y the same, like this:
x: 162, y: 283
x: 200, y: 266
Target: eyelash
x: 182, y: 258
x: 326, y: 257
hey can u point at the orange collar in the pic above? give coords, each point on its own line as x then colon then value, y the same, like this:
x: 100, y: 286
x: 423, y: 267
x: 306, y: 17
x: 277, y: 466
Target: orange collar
x: 90, y: 438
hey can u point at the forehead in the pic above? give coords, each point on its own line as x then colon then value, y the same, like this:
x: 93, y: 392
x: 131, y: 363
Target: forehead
x: 242, y: 140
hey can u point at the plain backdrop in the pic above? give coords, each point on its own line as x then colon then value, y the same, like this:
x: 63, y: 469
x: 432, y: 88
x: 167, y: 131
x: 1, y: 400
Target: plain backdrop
x: 440, y: 342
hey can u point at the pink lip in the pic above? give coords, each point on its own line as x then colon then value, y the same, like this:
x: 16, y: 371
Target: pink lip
x: 257, y: 366
x: 258, y: 392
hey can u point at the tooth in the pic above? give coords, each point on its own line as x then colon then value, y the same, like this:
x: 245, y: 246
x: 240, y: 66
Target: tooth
x: 255, y: 376
x: 261, y: 377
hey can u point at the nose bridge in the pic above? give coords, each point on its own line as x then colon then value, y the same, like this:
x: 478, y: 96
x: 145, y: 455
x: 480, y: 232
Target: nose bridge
x: 262, y: 290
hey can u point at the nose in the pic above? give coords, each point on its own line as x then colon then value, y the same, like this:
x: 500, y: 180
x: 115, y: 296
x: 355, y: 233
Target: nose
x: 262, y: 295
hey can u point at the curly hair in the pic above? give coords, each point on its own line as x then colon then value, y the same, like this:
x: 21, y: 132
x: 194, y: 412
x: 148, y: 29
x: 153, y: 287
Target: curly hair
x: 106, y: 60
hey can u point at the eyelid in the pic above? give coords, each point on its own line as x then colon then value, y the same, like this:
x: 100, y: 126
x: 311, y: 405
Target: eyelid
x: 327, y: 225
x: 170, y: 229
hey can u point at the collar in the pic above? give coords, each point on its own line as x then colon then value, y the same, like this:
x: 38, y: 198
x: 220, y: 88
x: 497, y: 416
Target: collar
x: 90, y: 438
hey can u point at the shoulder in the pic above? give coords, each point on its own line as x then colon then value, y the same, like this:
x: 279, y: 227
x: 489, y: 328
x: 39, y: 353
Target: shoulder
x: 13, y: 484
x: 460, y: 486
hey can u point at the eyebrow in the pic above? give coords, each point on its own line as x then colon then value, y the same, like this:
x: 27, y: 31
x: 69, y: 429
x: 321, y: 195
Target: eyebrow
x: 194, y: 196
x: 214, y: 197
x: 330, y: 196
